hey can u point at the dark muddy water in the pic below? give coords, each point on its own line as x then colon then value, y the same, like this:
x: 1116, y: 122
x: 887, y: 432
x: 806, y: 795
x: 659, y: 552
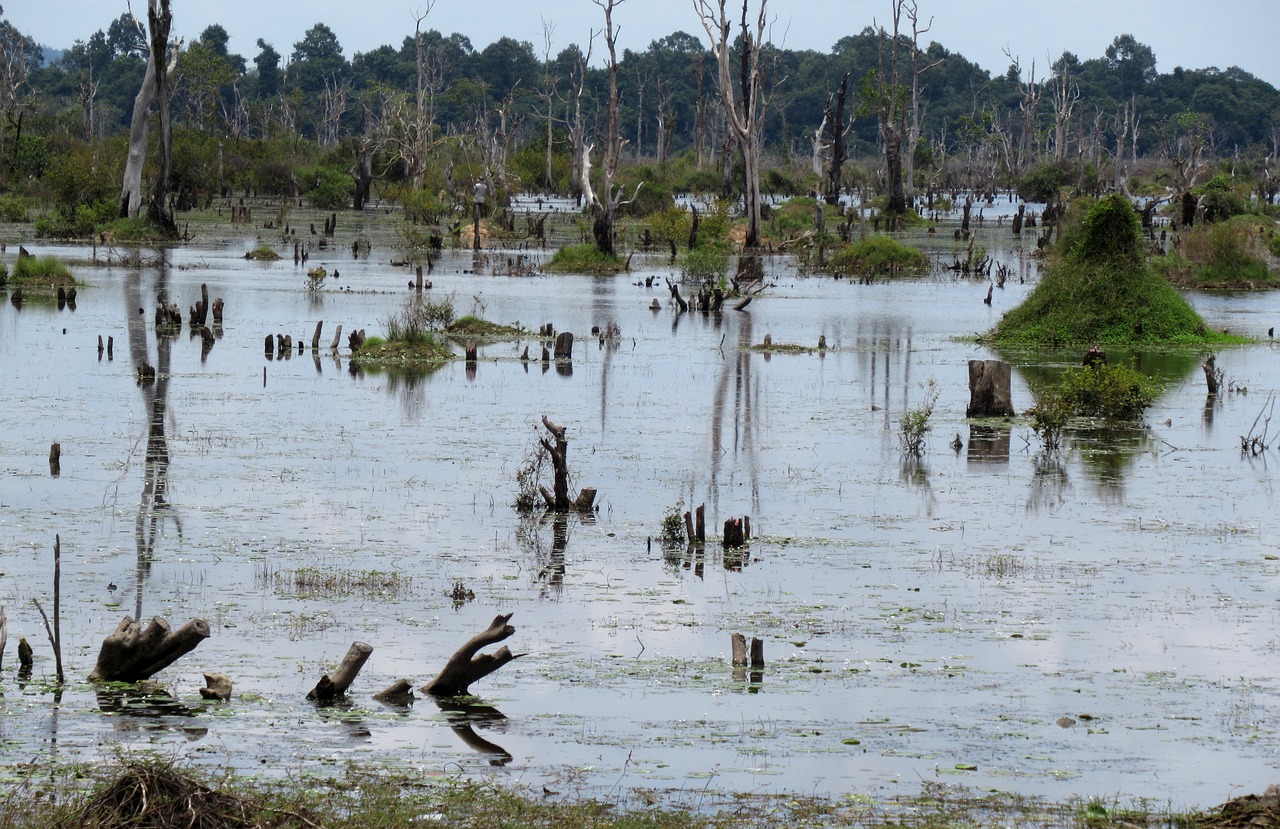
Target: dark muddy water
x: 922, y: 621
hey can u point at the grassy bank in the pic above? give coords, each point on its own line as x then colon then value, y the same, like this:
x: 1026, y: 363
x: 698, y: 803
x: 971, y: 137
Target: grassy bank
x: 157, y: 793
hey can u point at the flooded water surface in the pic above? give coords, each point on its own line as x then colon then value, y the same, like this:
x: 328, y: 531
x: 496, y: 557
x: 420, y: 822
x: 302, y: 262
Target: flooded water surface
x: 1097, y: 622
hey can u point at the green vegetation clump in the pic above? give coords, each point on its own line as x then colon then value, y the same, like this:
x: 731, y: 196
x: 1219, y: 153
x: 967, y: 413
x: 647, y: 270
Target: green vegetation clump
x: 1110, y: 392
x: 915, y: 426
x: 133, y: 231
x: 705, y: 263
x: 1219, y: 200
x: 1228, y: 254
x: 1099, y: 289
x: 41, y: 272
x: 262, y: 253
x: 13, y: 209
x: 878, y: 256
x: 331, y: 189
x: 1042, y: 183
x: 584, y: 258
x: 472, y: 326
x: 76, y: 221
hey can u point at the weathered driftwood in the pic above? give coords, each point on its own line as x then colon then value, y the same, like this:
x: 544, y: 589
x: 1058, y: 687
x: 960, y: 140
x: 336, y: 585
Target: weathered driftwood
x: 467, y: 666
x: 1212, y: 377
x: 315, y: 338
x: 331, y: 687
x: 134, y: 653
x: 55, y: 459
x: 989, y: 394
x: 400, y: 691
x: 217, y: 686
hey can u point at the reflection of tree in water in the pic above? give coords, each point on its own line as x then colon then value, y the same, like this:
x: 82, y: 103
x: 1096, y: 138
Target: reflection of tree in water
x: 1108, y: 452
x: 1049, y: 483
x: 154, y: 504
x: 738, y: 415
x: 915, y: 473
x: 464, y: 717
x: 547, y: 563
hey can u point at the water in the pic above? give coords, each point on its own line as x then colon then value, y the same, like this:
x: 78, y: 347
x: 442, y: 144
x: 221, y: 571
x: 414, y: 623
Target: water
x: 919, y: 618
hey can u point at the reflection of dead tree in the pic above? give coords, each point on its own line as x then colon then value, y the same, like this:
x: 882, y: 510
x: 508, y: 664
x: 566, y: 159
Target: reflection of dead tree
x: 467, y: 666
x: 462, y: 719
x: 154, y: 500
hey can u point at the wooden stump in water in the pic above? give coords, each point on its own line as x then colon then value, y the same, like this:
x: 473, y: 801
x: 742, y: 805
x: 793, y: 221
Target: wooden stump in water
x: 217, y: 687
x: 268, y: 345
x: 989, y: 394
x: 315, y: 338
x: 467, y: 665
x: 400, y: 691
x: 55, y: 459
x: 738, y: 645
x: 736, y: 532
x: 331, y: 687
x: 134, y: 653
x: 564, y: 346
x: 700, y: 523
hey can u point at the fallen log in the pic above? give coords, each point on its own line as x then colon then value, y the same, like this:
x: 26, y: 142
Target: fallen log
x: 467, y: 666
x: 133, y: 653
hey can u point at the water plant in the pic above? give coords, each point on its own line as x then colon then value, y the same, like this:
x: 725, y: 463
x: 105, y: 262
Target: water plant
x: 673, y: 524
x: 915, y: 426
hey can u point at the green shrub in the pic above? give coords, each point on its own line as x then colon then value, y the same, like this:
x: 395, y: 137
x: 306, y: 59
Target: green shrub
x: 1110, y: 392
x: 673, y: 524
x: 915, y: 425
x: 4, y: 274
x: 422, y: 207
x: 330, y: 188
x: 1049, y: 417
x: 704, y: 264
x: 78, y: 222
x: 417, y: 318
x: 13, y: 209
x: 1042, y: 183
x: 1228, y: 252
x: 1219, y: 200
x: 877, y: 256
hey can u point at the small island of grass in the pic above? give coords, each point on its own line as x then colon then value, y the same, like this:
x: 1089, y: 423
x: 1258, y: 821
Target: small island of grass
x: 38, y: 273
x: 1099, y: 288
x: 472, y: 326
x: 586, y: 258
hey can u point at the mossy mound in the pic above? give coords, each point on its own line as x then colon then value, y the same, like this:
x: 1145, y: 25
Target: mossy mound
x: 878, y: 256
x: 1099, y: 289
x: 40, y: 273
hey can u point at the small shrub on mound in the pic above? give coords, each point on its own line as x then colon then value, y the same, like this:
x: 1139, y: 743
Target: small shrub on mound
x: 1109, y: 392
x: 1101, y: 290
x: 877, y: 256
x: 13, y: 209
x: 585, y: 258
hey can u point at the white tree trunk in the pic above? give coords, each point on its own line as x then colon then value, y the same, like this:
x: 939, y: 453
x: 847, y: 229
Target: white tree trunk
x: 131, y: 192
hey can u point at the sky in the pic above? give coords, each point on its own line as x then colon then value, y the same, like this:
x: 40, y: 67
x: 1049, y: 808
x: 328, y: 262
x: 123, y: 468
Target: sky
x: 1193, y: 34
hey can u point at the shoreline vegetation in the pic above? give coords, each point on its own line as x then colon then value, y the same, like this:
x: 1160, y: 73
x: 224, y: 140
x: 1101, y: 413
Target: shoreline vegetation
x: 156, y: 792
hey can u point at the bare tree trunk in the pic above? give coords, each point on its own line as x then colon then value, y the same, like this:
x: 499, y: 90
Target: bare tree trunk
x: 161, y: 21
x: 131, y: 192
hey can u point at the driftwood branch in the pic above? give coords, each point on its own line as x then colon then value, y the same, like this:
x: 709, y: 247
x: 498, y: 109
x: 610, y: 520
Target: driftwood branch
x: 467, y: 666
x: 135, y: 653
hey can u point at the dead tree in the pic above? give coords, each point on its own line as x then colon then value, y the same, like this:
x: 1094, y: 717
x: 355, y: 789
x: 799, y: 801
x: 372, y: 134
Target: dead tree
x: 133, y: 653
x: 744, y: 112
x: 558, y: 500
x: 467, y: 665
x: 332, y: 686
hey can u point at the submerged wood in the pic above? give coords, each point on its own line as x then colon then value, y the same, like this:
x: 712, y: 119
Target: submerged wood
x: 467, y: 666
x: 134, y: 653
x: 332, y: 686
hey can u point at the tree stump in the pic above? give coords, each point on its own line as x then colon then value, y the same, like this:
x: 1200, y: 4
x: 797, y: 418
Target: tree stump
x: 217, y: 687
x: 564, y: 346
x: 989, y: 394
x: 134, y: 653
x: 332, y: 687
x: 399, y: 692
x: 559, y: 454
x: 467, y: 666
